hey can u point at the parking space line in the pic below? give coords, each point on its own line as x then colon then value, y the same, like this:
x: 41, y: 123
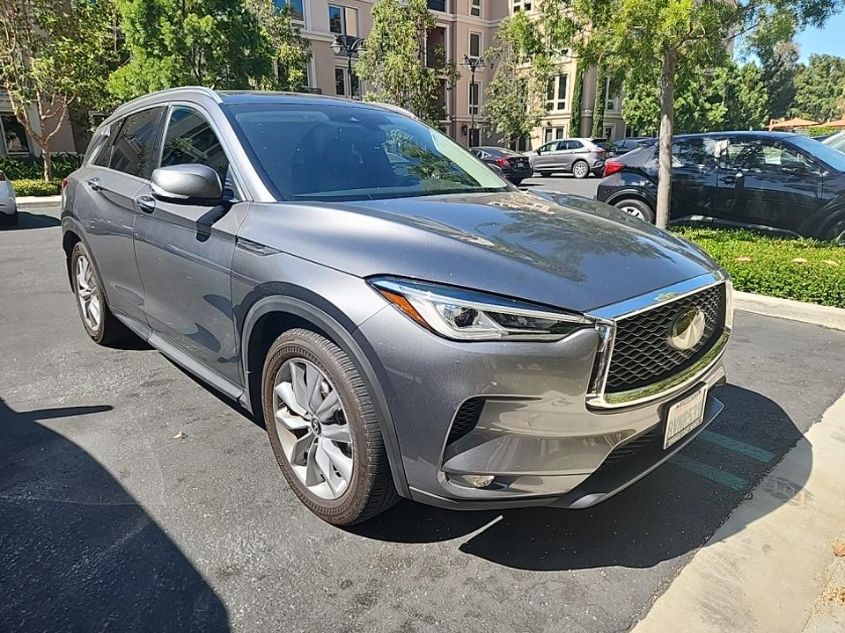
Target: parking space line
x: 709, y: 472
x: 748, y: 450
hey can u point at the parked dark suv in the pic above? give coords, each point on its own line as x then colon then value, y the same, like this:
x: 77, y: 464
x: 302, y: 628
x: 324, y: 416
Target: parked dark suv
x: 402, y: 320
x: 768, y: 181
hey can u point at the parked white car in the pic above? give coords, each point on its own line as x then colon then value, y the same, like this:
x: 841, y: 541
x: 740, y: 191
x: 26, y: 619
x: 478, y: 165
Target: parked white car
x: 837, y: 141
x: 8, y: 205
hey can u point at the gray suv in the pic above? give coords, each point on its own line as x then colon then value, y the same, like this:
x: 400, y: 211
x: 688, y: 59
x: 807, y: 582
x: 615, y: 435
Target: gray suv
x: 404, y: 321
x: 577, y: 156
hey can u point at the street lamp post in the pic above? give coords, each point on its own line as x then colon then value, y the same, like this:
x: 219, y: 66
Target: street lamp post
x: 348, y: 45
x: 473, y: 63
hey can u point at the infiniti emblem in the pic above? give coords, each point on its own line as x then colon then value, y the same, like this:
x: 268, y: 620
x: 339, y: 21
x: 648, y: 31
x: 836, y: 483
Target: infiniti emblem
x: 687, y: 330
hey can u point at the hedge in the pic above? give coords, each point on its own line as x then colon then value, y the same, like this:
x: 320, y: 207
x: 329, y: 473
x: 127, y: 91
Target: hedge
x: 32, y: 167
x: 800, y: 269
x: 36, y: 187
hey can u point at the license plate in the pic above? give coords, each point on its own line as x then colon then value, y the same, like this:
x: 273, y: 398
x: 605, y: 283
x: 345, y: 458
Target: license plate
x: 684, y: 416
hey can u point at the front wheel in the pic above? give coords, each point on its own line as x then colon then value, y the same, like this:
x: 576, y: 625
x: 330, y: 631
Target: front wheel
x: 580, y: 169
x: 324, y: 431
x: 636, y: 208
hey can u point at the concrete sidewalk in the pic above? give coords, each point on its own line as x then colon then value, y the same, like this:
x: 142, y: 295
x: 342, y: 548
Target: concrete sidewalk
x: 36, y: 202
x: 771, y: 567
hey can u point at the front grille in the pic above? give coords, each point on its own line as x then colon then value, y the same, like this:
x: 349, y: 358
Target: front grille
x: 465, y: 419
x: 641, y: 352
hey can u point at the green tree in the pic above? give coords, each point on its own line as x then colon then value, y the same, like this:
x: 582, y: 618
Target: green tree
x: 397, y: 65
x: 729, y: 97
x: 290, y: 51
x: 53, y: 56
x: 779, y: 62
x: 820, y: 88
x: 630, y: 38
x: 215, y: 43
x: 515, y: 98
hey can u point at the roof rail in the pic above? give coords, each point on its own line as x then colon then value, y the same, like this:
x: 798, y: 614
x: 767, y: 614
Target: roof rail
x: 208, y: 92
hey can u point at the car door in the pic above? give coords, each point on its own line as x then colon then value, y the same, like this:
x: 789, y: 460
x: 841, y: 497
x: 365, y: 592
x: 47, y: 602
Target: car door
x: 184, y: 261
x: 694, y: 173
x: 768, y: 183
x: 105, y: 204
x: 546, y: 156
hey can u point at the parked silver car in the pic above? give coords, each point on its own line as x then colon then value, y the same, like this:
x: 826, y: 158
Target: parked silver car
x: 8, y: 204
x: 578, y: 156
x: 405, y: 322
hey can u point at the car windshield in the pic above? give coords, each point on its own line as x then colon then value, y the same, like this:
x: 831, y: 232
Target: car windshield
x: 338, y: 152
x: 826, y: 153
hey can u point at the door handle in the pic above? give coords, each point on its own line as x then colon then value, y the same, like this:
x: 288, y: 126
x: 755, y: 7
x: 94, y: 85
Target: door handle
x: 94, y: 183
x: 147, y: 204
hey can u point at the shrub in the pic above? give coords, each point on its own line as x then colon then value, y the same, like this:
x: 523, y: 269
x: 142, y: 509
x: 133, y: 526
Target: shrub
x: 36, y: 187
x: 32, y: 167
x: 800, y: 269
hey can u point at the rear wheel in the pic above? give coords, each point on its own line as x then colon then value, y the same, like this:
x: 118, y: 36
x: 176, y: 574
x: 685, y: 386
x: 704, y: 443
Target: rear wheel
x: 636, y: 208
x: 323, y: 429
x: 580, y: 169
x: 98, y: 321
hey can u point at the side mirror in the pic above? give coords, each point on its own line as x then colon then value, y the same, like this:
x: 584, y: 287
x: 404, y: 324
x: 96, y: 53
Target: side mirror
x: 191, y: 183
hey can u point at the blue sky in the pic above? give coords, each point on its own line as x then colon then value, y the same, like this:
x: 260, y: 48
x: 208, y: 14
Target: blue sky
x: 830, y: 39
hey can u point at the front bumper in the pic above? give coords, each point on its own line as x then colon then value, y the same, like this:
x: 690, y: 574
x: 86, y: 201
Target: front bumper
x: 537, y: 433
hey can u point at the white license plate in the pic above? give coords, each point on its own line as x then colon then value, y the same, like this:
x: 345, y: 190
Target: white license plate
x: 684, y: 416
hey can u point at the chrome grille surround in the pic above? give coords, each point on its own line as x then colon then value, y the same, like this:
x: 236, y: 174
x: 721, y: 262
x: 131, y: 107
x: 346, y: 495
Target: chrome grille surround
x: 625, y: 373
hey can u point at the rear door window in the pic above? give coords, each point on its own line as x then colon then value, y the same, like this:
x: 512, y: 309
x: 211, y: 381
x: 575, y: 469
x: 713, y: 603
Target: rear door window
x: 135, y: 147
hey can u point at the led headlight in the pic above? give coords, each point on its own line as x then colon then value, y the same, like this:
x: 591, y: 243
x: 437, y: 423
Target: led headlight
x: 472, y: 316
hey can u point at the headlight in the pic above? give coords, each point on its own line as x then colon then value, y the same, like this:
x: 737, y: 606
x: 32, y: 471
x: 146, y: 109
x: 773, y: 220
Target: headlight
x: 472, y: 316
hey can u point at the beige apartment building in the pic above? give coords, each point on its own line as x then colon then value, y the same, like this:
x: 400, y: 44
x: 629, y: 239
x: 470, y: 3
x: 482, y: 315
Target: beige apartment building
x: 465, y: 29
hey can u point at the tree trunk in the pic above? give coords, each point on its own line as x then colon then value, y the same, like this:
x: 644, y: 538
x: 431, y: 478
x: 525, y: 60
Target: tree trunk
x: 598, y: 108
x: 48, y: 163
x: 667, y: 117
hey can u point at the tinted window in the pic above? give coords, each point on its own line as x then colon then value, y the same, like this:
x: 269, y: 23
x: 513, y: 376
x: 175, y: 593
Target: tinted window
x: 697, y: 152
x: 190, y: 139
x: 134, y: 146
x: 763, y: 156
x: 826, y: 153
x: 101, y: 145
x: 327, y: 151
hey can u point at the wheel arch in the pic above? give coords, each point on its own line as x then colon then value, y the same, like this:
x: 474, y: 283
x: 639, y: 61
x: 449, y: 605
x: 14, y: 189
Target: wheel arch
x: 270, y: 316
x: 626, y: 194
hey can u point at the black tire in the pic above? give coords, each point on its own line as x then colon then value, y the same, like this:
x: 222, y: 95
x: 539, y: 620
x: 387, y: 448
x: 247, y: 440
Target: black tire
x: 545, y: 173
x: 371, y: 490
x: 628, y: 205
x: 517, y: 181
x: 584, y: 173
x: 109, y: 330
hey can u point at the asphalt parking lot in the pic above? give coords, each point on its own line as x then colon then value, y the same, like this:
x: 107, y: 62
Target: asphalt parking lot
x: 565, y: 183
x: 134, y: 499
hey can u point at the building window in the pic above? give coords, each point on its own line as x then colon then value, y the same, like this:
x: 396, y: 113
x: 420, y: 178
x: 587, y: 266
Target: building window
x: 611, y: 98
x: 437, y: 5
x: 474, y: 98
x: 295, y: 5
x: 556, y: 93
x: 15, y: 140
x: 560, y: 132
x: 610, y: 132
x: 521, y: 5
x: 345, y: 85
x: 475, y: 8
x: 343, y: 20
x: 475, y: 45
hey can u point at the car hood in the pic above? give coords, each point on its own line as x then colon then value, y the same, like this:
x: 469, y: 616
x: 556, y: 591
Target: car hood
x: 549, y: 248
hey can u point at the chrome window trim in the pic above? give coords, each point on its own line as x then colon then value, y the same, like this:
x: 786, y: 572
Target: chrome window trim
x: 606, y: 319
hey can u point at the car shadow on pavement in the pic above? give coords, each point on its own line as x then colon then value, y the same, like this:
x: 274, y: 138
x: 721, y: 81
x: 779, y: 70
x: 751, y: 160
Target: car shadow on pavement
x: 77, y: 552
x: 669, y: 513
x: 28, y: 220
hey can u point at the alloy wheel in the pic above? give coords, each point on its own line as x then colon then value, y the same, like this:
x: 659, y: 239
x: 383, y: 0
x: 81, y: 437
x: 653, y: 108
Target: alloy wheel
x: 580, y: 170
x: 88, y: 293
x: 632, y: 211
x: 312, y: 428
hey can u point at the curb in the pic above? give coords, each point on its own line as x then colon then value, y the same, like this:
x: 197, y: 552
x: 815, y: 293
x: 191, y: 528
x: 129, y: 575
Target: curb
x: 764, y: 569
x: 33, y: 202
x: 788, y: 309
